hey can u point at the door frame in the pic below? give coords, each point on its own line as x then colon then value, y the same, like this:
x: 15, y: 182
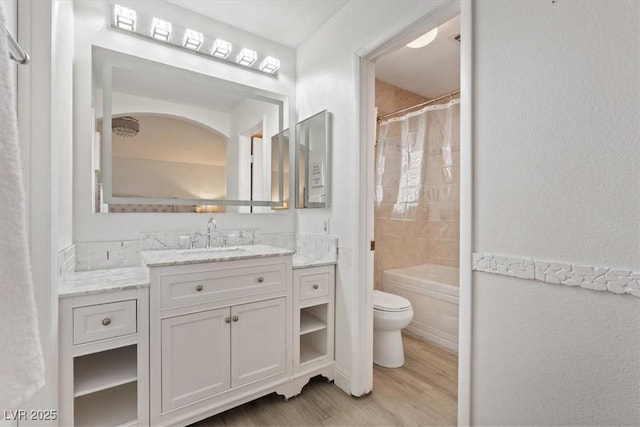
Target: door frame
x: 365, y: 73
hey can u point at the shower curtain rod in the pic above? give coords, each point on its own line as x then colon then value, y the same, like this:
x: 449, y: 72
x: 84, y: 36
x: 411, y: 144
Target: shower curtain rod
x: 423, y: 104
x: 21, y: 57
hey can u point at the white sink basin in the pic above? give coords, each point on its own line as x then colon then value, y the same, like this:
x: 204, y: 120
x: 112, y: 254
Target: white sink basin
x: 211, y: 250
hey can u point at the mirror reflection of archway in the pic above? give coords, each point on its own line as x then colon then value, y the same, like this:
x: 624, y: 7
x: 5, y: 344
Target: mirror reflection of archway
x: 169, y: 157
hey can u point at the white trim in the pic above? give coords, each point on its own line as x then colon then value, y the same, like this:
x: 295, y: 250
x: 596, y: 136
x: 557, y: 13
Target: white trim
x: 436, y: 336
x: 595, y: 278
x: 342, y: 380
x: 435, y: 17
x: 362, y: 333
x: 465, y: 314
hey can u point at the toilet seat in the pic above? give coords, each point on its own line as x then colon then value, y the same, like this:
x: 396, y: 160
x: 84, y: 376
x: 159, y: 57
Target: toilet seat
x: 385, y: 301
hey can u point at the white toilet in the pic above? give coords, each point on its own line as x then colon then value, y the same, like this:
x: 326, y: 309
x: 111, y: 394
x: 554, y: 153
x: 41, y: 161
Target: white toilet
x: 391, y: 313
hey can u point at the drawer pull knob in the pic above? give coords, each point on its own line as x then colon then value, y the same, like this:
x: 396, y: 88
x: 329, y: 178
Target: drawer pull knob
x: 227, y: 320
x: 260, y: 279
x: 199, y: 288
x: 236, y: 318
x: 106, y: 321
x: 315, y: 286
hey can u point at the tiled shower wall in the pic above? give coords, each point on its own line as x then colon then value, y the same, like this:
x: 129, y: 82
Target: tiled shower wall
x: 433, y: 237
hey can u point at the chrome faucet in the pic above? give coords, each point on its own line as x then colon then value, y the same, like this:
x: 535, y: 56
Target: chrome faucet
x: 212, y: 221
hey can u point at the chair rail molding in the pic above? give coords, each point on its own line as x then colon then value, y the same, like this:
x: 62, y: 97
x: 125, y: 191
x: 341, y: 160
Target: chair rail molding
x: 595, y: 278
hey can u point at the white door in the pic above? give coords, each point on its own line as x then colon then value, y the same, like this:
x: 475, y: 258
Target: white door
x: 258, y: 340
x: 195, y: 357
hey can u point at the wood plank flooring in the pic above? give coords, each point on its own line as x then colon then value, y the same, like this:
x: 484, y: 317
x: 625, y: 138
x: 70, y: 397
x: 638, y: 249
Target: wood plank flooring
x: 423, y: 392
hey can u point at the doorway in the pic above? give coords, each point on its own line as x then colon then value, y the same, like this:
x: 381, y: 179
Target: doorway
x: 367, y: 73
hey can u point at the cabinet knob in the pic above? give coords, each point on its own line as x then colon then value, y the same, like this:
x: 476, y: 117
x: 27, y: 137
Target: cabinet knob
x: 315, y: 286
x: 199, y: 288
x: 235, y: 318
x: 227, y: 320
x: 106, y: 321
x: 260, y: 279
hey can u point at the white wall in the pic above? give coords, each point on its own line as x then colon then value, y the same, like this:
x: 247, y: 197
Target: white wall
x: 91, y: 27
x: 251, y: 116
x: 62, y: 118
x: 122, y: 103
x: 326, y: 67
x: 166, y: 179
x: 556, y: 156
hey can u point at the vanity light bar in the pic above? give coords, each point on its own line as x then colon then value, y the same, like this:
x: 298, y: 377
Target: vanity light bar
x: 161, y: 29
x: 192, y: 39
x: 270, y: 65
x: 221, y: 48
x: 124, y: 18
x: 247, y: 57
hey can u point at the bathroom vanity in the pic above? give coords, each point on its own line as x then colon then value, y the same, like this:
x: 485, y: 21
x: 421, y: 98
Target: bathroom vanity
x: 220, y: 330
x: 200, y: 332
x: 104, y: 347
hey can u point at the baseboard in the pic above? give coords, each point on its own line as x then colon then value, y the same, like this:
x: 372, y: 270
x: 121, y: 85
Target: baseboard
x: 342, y: 380
x: 436, y: 337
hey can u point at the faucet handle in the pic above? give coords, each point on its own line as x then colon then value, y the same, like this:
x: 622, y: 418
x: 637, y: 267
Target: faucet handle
x: 192, y: 239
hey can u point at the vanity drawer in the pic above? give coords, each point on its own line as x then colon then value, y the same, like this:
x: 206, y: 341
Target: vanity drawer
x: 314, y: 286
x: 208, y: 286
x: 102, y: 321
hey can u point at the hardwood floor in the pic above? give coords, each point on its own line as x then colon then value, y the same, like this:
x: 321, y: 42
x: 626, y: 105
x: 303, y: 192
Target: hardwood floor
x: 423, y: 392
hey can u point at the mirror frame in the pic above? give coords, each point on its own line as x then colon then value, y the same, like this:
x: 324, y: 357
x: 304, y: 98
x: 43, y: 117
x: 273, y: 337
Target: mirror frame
x: 327, y: 163
x: 112, y: 59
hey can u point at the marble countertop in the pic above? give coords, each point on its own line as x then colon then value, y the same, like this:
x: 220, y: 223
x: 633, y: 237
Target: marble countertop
x: 100, y: 281
x: 118, y: 279
x: 304, y: 261
x: 163, y: 258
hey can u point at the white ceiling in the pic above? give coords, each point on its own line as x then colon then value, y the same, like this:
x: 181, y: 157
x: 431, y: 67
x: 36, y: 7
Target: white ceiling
x: 288, y: 22
x: 429, y: 71
x: 180, y: 90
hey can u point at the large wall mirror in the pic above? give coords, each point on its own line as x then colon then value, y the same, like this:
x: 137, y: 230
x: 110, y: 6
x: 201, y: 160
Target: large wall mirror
x: 172, y: 140
x: 313, y: 161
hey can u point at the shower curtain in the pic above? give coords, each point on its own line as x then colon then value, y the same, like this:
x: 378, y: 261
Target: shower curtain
x: 416, y: 160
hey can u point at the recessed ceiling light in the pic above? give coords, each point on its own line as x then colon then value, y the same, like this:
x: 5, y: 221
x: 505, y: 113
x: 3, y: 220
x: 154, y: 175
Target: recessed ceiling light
x: 161, y: 29
x: 270, y: 65
x: 424, y: 40
x: 192, y: 39
x: 247, y: 57
x: 221, y: 48
x: 124, y: 18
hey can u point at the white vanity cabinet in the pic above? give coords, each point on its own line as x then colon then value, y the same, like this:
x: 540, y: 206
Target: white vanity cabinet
x: 104, y: 359
x: 314, y: 296
x: 220, y: 335
x: 196, y: 357
x: 198, y: 350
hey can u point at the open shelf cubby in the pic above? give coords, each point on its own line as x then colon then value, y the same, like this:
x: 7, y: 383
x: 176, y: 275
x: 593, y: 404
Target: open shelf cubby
x: 115, y: 406
x: 313, y: 332
x: 103, y: 370
x: 310, y: 323
x: 313, y: 346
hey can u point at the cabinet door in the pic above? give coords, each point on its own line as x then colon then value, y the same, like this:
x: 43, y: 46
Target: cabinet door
x: 258, y: 340
x: 195, y: 357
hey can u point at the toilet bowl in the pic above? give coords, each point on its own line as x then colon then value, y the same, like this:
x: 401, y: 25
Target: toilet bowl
x: 391, y: 313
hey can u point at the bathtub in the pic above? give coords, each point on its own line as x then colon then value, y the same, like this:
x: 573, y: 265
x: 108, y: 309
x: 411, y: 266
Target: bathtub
x: 433, y: 291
